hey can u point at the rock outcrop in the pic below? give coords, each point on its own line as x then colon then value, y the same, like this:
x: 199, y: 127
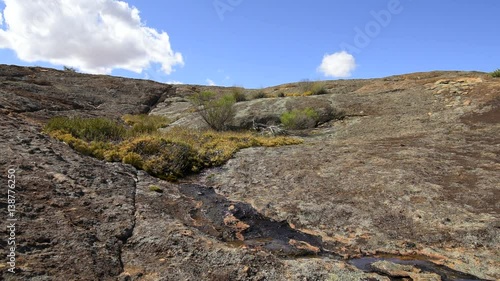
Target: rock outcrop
x: 413, y: 169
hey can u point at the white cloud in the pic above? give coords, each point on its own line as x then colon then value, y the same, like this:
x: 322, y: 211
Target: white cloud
x: 340, y: 64
x: 174, y: 82
x: 210, y: 82
x: 94, y: 36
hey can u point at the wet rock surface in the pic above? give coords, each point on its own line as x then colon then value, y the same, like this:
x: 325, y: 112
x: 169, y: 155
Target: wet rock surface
x: 405, y: 173
x: 409, y: 268
x: 241, y: 224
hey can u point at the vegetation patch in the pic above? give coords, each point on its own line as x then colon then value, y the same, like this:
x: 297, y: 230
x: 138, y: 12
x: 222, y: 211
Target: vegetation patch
x: 299, y: 119
x: 145, y: 124
x: 88, y: 129
x: 155, y: 188
x: 216, y: 111
x: 495, y: 73
x: 170, y: 155
x: 297, y: 94
x: 309, y: 88
x: 260, y: 95
x: 238, y: 94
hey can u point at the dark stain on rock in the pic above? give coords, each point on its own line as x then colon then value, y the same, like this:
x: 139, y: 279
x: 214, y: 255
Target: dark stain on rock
x: 490, y: 117
x: 241, y: 225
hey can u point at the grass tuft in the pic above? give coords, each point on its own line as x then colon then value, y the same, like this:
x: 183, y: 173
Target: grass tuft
x: 88, y: 129
x: 145, y: 124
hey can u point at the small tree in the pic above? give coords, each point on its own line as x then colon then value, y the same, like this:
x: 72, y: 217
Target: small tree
x: 216, y: 111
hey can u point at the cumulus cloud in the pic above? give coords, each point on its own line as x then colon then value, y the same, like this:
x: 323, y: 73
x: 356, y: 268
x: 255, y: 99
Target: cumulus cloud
x: 340, y: 64
x: 210, y: 82
x: 94, y: 36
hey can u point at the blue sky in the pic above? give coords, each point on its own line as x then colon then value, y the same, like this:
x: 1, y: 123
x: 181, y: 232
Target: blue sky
x: 253, y: 43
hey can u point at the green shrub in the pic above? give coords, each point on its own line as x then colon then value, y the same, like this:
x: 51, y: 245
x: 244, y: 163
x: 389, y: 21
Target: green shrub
x: 88, y: 129
x: 312, y: 88
x: 319, y: 89
x: 133, y: 159
x: 300, y: 119
x: 216, y: 111
x: 99, y: 149
x: 495, y: 73
x: 260, y: 95
x: 145, y: 124
x: 112, y: 155
x: 164, y: 158
x: 238, y: 95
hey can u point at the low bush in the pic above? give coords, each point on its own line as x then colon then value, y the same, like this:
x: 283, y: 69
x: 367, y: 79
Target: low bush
x: 113, y: 155
x: 300, y: 119
x: 238, y: 95
x: 145, y: 124
x: 133, y: 159
x: 495, y: 74
x: 77, y: 144
x: 318, y: 88
x: 101, y: 150
x: 88, y: 129
x: 216, y: 111
x: 169, y: 155
x: 309, y: 88
x: 164, y: 158
x: 259, y: 95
